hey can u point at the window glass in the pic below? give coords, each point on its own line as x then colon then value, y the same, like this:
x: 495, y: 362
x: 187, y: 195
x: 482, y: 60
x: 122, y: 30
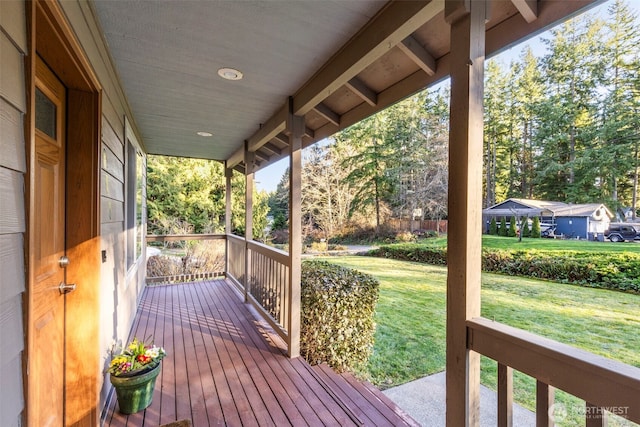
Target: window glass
x: 45, y: 114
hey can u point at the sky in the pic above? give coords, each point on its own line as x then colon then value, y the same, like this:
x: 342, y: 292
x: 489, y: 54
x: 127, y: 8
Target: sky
x: 268, y: 178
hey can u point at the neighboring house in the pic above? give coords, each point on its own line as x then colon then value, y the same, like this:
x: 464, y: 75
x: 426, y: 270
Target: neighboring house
x: 88, y: 88
x: 584, y: 221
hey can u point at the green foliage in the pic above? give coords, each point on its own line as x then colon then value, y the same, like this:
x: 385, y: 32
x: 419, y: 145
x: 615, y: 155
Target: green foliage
x: 412, y: 252
x: 188, y: 196
x: 512, y: 227
x: 615, y: 271
x: 524, y: 230
x: 493, y: 226
x: 502, y: 231
x: 535, y: 227
x: 337, y: 319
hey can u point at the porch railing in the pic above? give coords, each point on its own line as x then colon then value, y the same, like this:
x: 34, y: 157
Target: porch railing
x: 185, y: 264
x: 259, y: 271
x: 262, y: 273
x: 607, y: 386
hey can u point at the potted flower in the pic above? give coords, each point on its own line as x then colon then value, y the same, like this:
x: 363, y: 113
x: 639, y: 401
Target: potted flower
x: 133, y: 374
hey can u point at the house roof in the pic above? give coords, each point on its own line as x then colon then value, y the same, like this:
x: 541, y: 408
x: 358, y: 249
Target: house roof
x: 334, y: 62
x: 530, y: 207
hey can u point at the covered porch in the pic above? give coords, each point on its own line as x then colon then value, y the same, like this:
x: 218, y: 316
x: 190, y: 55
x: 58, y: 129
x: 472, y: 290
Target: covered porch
x: 225, y: 366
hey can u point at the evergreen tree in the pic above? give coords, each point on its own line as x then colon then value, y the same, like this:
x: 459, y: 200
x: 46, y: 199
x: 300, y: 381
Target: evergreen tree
x: 493, y: 226
x: 502, y: 231
x: 513, y: 227
x: 535, y: 227
x: 524, y: 230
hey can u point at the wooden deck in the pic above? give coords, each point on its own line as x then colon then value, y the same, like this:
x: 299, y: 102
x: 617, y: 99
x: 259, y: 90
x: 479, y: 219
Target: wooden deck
x: 225, y: 367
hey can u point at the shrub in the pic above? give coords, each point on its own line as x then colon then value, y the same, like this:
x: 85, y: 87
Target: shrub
x: 526, y: 232
x: 615, y: 271
x: 338, y: 306
x: 493, y: 226
x: 412, y: 252
x: 502, y: 231
x: 405, y: 236
x: 513, y: 226
x: 535, y: 227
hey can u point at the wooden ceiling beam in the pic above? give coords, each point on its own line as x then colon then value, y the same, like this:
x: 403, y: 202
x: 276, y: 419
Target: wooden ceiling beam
x: 327, y: 113
x: 395, y: 22
x: 236, y: 158
x: 418, y: 54
x: 276, y: 124
x: 358, y: 87
x: 527, y: 8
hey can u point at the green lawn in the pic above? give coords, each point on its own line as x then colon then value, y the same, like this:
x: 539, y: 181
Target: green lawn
x: 410, y: 335
x: 496, y: 242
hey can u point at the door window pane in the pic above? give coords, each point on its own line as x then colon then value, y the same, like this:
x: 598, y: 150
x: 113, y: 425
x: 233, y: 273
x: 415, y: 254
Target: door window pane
x: 45, y: 114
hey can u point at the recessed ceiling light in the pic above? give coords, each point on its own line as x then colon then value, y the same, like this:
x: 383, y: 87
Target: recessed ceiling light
x: 207, y: 134
x: 230, y: 74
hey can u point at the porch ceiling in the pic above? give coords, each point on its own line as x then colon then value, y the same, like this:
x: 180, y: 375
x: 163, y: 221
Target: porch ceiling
x: 167, y: 54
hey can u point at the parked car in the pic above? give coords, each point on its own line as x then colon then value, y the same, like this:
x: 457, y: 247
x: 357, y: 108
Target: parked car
x: 622, y: 232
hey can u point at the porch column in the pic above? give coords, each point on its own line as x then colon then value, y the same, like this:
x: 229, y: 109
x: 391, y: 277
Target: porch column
x: 295, y: 128
x: 467, y: 20
x: 249, y: 158
x: 228, y: 173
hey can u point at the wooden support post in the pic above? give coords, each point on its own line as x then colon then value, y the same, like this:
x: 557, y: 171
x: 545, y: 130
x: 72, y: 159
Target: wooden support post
x: 249, y: 158
x: 228, y: 173
x: 467, y: 20
x: 295, y: 129
x: 595, y: 416
x: 545, y: 396
x: 505, y: 396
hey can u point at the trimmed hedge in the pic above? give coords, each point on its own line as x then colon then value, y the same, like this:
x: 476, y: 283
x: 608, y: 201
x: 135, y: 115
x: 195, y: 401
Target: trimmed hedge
x: 615, y: 271
x: 338, y: 306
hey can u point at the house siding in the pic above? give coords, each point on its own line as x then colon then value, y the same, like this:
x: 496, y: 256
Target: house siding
x: 13, y: 45
x: 572, y: 227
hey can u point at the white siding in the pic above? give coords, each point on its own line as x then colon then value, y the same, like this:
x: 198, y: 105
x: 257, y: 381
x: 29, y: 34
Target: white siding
x: 13, y: 43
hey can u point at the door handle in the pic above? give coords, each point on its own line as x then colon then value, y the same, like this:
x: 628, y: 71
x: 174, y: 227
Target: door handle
x: 65, y: 289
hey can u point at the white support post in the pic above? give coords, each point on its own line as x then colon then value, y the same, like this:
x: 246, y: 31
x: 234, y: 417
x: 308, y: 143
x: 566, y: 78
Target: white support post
x: 295, y: 129
x: 467, y: 20
x: 249, y: 158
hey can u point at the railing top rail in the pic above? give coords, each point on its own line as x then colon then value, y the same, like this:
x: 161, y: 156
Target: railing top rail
x: 277, y: 254
x: 234, y: 237
x: 600, y: 381
x: 177, y: 237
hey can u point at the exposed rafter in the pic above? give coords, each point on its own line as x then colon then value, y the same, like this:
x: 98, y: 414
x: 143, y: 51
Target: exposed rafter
x: 393, y: 24
x: 327, y: 113
x: 358, y: 87
x: 275, y: 150
x: 418, y: 54
x: 527, y: 8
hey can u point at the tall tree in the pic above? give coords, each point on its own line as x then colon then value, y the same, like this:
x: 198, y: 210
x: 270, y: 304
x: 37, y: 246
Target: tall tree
x: 572, y: 73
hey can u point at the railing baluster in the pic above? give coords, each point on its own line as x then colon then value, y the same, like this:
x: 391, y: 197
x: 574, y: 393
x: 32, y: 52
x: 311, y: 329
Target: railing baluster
x: 595, y: 416
x: 505, y: 396
x: 545, y: 396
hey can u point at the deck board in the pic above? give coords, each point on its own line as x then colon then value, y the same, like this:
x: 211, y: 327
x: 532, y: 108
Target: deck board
x: 226, y: 367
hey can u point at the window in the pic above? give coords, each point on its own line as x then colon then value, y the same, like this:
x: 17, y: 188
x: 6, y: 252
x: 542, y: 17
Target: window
x: 134, y: 202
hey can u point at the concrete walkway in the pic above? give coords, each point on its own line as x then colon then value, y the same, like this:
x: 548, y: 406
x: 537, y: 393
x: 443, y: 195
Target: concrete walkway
x: 424, y: 400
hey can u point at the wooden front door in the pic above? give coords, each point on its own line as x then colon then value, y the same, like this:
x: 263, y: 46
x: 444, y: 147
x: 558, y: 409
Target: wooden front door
x: 47, y: 297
